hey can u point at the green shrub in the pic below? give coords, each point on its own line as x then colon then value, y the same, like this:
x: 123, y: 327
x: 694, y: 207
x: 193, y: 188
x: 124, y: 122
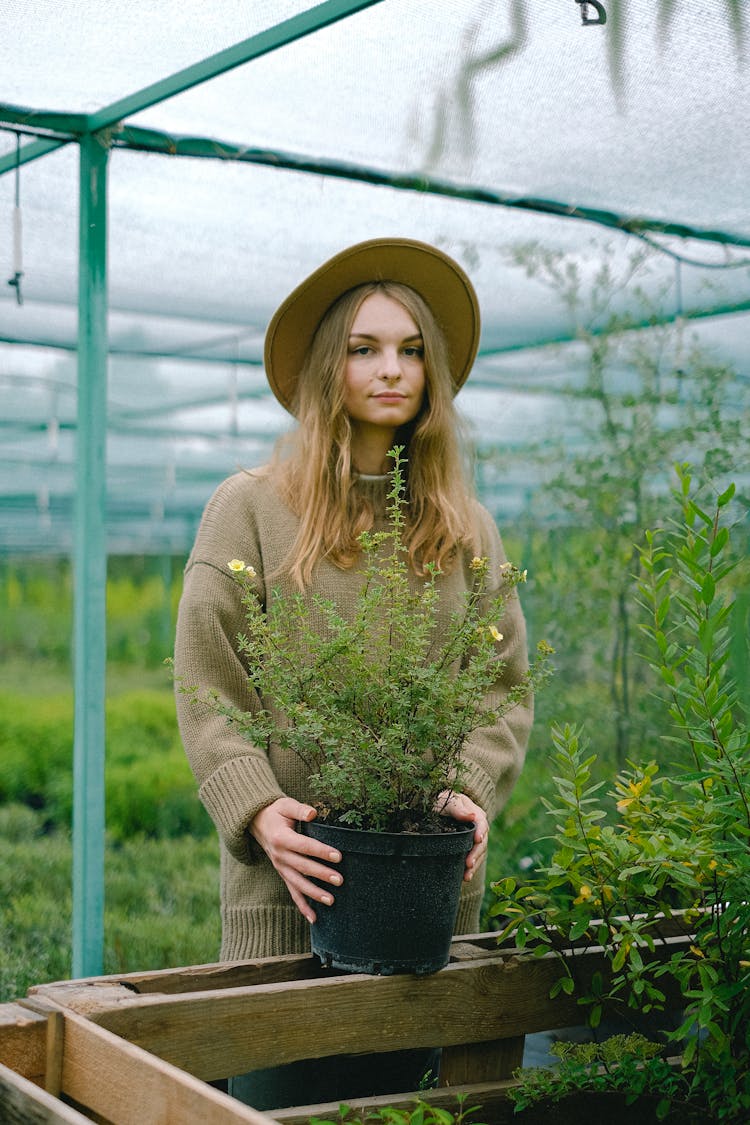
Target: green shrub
x: 149, y: 786
x: 37, y: 740
x: 666, y: 844
x: 162, y: 903
x: 36, y: 602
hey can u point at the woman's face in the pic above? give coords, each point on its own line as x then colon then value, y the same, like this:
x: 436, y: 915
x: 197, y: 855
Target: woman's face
x: 384, y: 378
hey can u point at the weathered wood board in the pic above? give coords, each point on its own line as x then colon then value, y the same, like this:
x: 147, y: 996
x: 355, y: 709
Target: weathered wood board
x: 132, y: 1049
x: 24, y: 1103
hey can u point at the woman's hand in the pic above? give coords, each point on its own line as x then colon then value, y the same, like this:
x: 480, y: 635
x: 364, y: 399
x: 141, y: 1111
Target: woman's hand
x: 461, y: 807
x: 295, y: 856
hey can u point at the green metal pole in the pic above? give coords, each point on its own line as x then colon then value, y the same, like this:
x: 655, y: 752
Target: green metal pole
x: 31, y: 151
x: 90, y: 562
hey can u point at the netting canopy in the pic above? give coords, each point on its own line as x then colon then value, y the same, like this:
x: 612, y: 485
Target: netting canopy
x: 170, y: 170
x: 246, y: 142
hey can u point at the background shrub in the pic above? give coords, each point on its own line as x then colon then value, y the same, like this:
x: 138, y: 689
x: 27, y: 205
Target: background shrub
x: 162, y: 902
x: 149, y: 787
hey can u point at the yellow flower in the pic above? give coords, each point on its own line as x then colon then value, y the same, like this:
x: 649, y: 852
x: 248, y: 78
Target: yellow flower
x: 251, y: 572
x: 712, y: 864
x: 584, y: 894
x: 477, y: 563
x: 236, y: 565
x: 495, y: 633
x: 635, y: 791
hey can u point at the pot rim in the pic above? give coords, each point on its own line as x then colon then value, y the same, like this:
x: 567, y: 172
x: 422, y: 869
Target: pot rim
x: 464, y: 828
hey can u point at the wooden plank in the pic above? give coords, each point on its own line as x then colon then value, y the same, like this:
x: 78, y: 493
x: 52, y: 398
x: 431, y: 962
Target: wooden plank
x: 218, y: 1033
x: 23, y: 1041
x: 55, y: 1035
x: 496, y: 1107
x: 123, y: 1084
x: 468, y: 1063
x: 24, y: 1103
x: 195, y: 978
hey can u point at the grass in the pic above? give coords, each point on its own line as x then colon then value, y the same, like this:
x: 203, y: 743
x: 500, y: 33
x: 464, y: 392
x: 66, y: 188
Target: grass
x: 162, y: 856
x: 162, y: 903
x: 42, y: 678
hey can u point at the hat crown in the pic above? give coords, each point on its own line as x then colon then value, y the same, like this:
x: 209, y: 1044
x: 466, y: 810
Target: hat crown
x: 439, y: 280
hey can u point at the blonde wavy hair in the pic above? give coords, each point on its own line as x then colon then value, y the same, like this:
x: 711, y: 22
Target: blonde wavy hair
x: 313, y: 466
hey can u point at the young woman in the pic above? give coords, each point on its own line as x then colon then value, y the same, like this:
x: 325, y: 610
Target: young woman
x: 367, y: 352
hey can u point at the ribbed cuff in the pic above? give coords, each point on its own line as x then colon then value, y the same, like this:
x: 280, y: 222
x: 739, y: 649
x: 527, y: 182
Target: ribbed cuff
x: 470, y: 905
x: 263, y: 931
x: 477, y: 784
x: 233, y: 794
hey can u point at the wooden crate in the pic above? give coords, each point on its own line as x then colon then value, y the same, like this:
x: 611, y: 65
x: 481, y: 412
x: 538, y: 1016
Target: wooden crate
x: 140, y: 1048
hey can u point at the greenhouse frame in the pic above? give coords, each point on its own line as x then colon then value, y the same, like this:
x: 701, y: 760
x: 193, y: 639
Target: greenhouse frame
x: 169, y: 172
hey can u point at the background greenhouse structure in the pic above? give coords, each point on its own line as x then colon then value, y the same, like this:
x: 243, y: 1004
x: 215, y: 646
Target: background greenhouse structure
x: 170, y: 171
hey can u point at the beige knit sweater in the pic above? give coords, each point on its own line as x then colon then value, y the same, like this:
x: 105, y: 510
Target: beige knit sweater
x: 246, y: 519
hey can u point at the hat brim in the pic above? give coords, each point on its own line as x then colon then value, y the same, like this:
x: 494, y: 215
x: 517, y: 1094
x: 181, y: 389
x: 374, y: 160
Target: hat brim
x: 439, y: 280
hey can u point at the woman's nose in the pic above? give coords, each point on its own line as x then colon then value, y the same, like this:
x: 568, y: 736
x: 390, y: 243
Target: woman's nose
x: 390, y: 367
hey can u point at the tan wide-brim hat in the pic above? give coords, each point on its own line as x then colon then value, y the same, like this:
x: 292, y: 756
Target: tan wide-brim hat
x: 439, y: 280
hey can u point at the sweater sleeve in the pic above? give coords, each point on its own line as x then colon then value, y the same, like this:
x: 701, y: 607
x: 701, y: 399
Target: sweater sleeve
x: 235, y: 778
x: 494, y: 755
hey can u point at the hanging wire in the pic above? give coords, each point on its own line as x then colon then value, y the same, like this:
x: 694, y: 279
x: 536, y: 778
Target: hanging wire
x: 679, y: 320
x: 15, y: 280
x: 683, y: 259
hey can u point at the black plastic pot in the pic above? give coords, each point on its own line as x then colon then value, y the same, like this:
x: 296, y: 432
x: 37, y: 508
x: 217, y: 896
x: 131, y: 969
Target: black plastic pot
x: 397, y: 906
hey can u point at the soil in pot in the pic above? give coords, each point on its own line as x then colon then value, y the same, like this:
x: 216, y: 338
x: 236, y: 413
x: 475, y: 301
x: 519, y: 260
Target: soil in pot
x: 397, y: 906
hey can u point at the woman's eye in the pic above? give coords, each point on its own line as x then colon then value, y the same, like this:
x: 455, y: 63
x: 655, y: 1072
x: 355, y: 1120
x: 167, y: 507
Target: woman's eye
x: 362, y: 349
x: 414, y: 352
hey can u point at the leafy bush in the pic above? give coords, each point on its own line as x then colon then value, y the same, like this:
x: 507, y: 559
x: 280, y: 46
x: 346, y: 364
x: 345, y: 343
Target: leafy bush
x: 162, y: 903
x: 36, y: 600
x: 421, y: 1113
x: 149, y: 786
x: 679, y: 845
x: 629, y: 1063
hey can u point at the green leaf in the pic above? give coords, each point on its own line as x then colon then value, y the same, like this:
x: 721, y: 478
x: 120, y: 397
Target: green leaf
x: 578, y: 929
x: 708, y: 589
x: 619, y: 958
x: 725, y: 497
x: 720, y: 541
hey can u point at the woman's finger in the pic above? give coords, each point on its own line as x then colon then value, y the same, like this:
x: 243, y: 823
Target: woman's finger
x: 462, y: 808
x: 294, y: 856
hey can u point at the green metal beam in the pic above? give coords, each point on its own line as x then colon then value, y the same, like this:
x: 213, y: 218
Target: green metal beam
x: 288, y: 31
x: 47, y: 120
x: 189, y: 356
x: 151, y: 140
x: 29, y: 152
x: 257, y: 45
x: 90, y: 566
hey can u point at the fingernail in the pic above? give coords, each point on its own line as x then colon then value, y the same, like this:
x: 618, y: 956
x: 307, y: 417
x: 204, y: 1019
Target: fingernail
x: 335, y: 879
x: 335, y: 857
x: 328, y: 900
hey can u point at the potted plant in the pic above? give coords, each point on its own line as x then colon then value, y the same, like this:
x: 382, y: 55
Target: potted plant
x: 378, y: 707
x: 669, y: 852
